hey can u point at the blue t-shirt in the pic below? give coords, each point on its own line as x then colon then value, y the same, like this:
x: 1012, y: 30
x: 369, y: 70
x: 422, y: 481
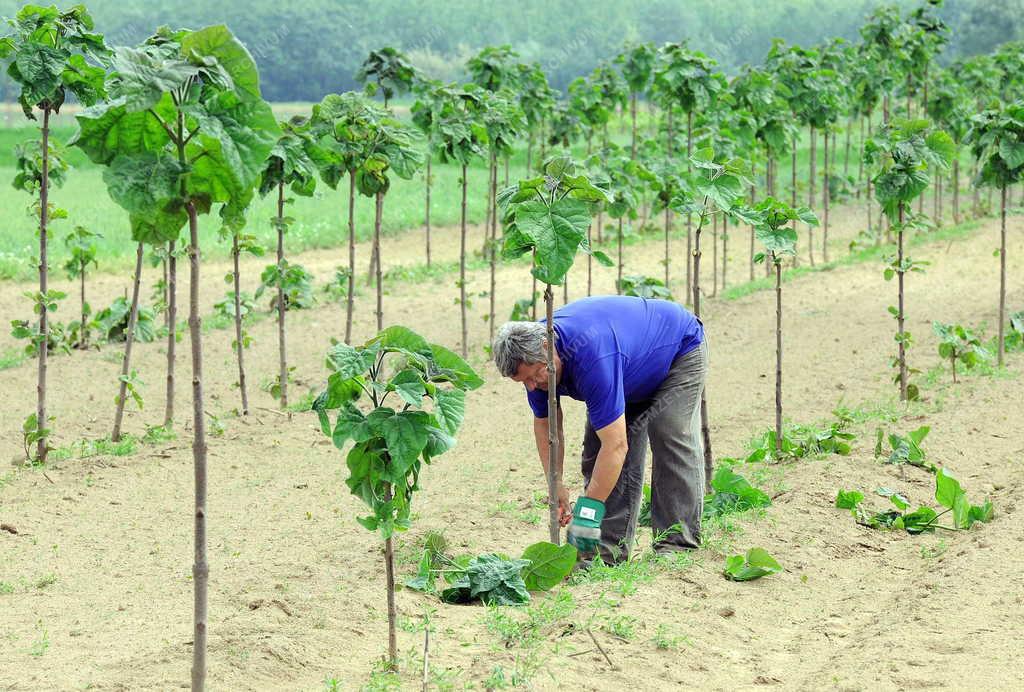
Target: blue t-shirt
x: 617, y: 350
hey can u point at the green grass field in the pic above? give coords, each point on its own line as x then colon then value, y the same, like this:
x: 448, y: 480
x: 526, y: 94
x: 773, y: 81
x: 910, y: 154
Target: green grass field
x: 320, y: 220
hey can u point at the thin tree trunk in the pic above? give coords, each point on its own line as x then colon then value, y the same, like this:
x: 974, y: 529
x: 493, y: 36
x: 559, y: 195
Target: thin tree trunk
x: 282, y: 358
x: 129, y: 340
x: 378, y: 214
x: 860, y: 156
x: 493, y: 246
x: 44, y: 329
x: 956, y: 189
x: 810, y: 191
x: 618, y: 282
x: 632, y: 112
x: 428, y: 209
x: 778, y: 355
x: 824, y: 203
x: 590, y: 263
x: 668, y: 228
x: 846, y: 154
x: 83, y: 329
x: 725, y: 248
x: 172, y: 329
x: 705, y: 429
x: 350, y: 298
x: 506, y: 176
x: 389, y: 572
x: 1002, y: 273
x: 239, y: 346
x: 554, y: 471
x: 689, y: 215
x: 565, y: 290
x: 900, y: 316
x: 529, y: 154
x: 462, y: 267
x: 793, y: 195
x: 533, y: 300
x: 753, y: 196
x: 714, y: 255
x: 773, y: 172
x: 600, y: 225
x: 201, y: 567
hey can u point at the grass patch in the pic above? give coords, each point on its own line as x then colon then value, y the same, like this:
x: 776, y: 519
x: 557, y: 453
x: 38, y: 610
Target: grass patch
x: 957, y: 232
x: 84, y: 449
x: 12, y: 358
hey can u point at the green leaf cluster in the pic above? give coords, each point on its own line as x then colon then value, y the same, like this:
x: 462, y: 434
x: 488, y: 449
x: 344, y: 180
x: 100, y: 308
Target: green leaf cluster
x: 185, y: 125
x: 996, y: 138
x: 644, y: 287
x: 48, y: 50
x: 428, y: 383
x: 903, y: 158
x: 755, y: 564
x: 387, y: 70
x: 959, y: 344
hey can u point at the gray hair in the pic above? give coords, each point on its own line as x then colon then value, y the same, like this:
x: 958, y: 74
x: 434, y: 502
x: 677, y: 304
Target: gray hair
x: 517, y: 343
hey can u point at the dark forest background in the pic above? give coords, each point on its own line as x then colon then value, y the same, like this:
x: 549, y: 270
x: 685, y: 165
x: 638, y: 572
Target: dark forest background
x: 310, y: 48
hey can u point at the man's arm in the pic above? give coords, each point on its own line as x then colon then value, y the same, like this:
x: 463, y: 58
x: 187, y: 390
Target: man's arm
x: 610, y: 458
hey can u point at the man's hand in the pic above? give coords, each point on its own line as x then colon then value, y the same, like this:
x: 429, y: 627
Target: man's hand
x: 585, y: 530
x: 564, y: 508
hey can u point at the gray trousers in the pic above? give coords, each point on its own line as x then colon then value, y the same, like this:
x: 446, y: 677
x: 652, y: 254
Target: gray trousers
x: 671, y: 421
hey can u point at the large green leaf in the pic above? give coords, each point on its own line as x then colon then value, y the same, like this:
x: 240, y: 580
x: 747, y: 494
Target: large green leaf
x: 110, y: 129
x: 143, y: 183
x: 145, y: 74
x: 450, y: 367
x: 549, y: 565
x: 1011, y: 152
x: 450, y: 408
x: 754, y: 565
x: 408, y: 384
x: 215, y: 46
x: 556, y: 232
x: 405, y: 435
x: 781, y: 241
x: 347, y: 361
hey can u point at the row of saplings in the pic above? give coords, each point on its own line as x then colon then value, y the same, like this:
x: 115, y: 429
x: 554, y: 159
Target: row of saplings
x: 416, y: 395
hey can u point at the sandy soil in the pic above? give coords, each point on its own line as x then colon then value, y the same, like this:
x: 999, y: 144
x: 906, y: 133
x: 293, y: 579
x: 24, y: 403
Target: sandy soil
x: 99, y: 571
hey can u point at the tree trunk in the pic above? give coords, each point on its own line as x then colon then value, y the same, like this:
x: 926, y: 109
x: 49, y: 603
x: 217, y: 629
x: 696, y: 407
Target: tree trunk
x: 350, y: 298
x: 533, y: 300
x: 506, y: 177
x: 600, y: 225
x: 956, y: 189
x: 239, y: 346
x: 725, y: 248
x: 378, y: 213
x: 172, y: 329
x: 590, y: 263
x: 714, y: 255
x: 778, y: 355
x: 689, y: 215
x: 824, y: 203
x: 282, y: 358
x: 867, y: 187
x: 428, y: 210
x: 618, y: 281
x: 1002, y: 273
x: 668, y: 229
x: 462, y: 267
x: 846, y: 153
x: 753, y: 196
x: 492, y: 254
x: 860, y: 156
x: 565, y: 290
x: 810, y: 191
x: 200, y: 568
x: 44, y: 329
x: 900, y: 316
x: 129, y: 340
x: 529, y: 154
x: 389, y: 573
x: 554, y: 472
x: 773, y: 172
x: 705, y: 429
x: 793, y: 195
x: 632, y: 112
x: 83, y: 329
x: 952, y: 361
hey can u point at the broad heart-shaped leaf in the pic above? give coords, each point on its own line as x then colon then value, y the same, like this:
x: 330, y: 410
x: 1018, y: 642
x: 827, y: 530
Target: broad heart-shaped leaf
x: 216, y: 47
x: 757, y: 563
x: 145, y: 74
x: 438, y: 442
x: 347, y: 361
x: 496, y: 580
x: 145, y: 184
x: 408, y: 384
x: 449, y: 409
x: 234, y: 140
x: 447, y: 366
x: 848, y: 499
x: 723, y: 190
x: 556, y: 232
x: 549, y: 565
x: 951, y: 495
x: 400, y: 338
x: 348, y: 418
x: 405, y: 435
x: 942, y: 147
x: 781, y: 241
x: 1011, y: 152
x: 110, y: 129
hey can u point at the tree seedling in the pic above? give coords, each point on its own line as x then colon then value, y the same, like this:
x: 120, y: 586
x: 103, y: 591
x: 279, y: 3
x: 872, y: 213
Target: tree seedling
x: 391, y: 444
x: 755, y: 564
x: 959, y: 344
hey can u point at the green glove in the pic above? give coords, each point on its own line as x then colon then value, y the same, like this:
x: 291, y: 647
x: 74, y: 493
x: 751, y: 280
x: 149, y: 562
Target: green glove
x: 585, y: 530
